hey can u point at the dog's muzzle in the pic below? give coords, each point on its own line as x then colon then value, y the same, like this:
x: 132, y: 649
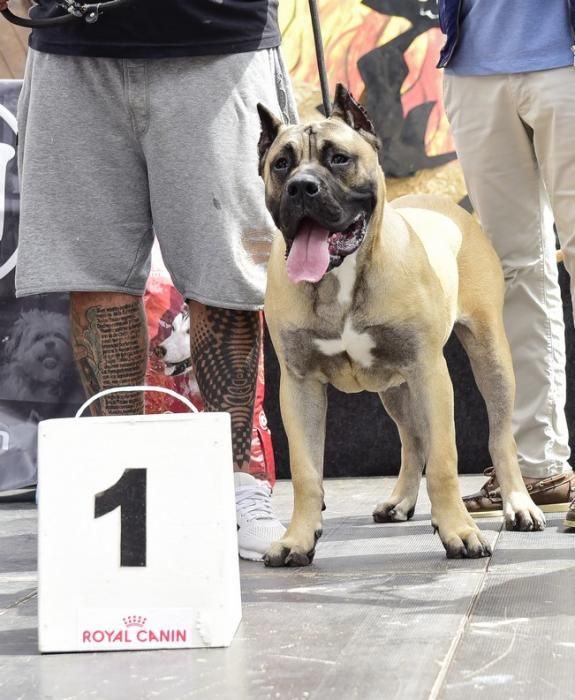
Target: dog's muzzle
x: 315, y: 250
x: 322, y: 223
x: 321, y: 232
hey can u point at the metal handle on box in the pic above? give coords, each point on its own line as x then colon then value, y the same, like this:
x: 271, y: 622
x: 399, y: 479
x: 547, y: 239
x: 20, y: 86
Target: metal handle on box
x: 116, y: 390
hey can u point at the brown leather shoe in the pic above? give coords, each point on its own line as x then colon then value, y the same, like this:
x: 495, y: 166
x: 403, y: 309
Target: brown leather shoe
x: 570, y: 517
x: 553, y: 495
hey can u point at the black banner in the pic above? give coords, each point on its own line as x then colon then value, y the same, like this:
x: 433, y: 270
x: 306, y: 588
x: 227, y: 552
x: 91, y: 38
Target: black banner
x: 9, y: 207
x: 38, y: 378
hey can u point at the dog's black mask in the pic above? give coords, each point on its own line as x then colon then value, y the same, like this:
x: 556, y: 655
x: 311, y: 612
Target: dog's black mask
x: 321, y: 186
x: 316, y: 199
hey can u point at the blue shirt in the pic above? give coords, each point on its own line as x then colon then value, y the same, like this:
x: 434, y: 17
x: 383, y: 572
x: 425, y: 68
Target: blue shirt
x: 512, y: 36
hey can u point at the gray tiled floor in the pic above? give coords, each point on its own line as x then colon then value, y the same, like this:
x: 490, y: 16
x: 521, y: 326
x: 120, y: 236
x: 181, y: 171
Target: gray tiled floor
x: 380, y: 614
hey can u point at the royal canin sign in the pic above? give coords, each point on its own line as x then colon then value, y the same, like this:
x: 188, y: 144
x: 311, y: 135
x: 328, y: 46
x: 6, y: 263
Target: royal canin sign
x: 135, y: 631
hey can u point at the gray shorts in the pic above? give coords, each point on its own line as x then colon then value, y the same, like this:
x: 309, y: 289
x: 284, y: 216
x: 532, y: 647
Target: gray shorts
x: 113, y: 151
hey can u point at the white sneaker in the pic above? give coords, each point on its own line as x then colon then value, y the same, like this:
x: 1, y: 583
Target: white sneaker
x: 257, y: 525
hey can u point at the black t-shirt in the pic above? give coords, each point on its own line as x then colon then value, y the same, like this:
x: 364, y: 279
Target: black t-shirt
x: 163, y: 28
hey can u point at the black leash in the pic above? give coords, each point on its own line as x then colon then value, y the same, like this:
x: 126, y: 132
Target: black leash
x: 320, y: 57
x: 89, y: 12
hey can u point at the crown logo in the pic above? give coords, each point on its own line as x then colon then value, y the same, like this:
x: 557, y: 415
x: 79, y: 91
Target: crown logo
x: 134, y: 621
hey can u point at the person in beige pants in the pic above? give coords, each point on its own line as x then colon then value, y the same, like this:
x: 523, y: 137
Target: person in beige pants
x: 509, y: 92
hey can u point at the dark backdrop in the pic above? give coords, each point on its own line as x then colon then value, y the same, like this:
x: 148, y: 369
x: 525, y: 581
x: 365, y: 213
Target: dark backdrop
x: 361, y: 438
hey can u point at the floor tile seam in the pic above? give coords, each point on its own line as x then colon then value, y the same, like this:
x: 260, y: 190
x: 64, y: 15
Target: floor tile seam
x: 359, y: 631
x: 362, y: 572
x: 439, y: 683
x: 409, y: 528
x: 316, y: 693
x: 18, y: 602
x: 525, y: 570
x: 356, y: 573
x: 17, y: 577
x: 427, y: 572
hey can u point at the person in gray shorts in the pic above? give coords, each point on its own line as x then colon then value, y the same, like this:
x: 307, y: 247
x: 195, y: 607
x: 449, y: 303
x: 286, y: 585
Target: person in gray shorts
x: 143, y: 124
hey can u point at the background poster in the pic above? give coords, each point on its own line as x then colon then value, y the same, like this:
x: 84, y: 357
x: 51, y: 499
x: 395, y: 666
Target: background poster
x: 385, y: 52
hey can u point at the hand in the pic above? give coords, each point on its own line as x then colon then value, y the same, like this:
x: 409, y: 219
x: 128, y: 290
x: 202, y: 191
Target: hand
x: 3, y: 5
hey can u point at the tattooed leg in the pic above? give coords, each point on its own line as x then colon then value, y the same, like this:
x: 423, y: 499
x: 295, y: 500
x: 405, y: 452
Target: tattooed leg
x: 225, y: 348
x: 110, y: 344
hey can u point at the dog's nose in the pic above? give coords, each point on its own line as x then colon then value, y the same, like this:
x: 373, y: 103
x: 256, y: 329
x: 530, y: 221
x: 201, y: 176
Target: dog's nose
x: 303, y: 186
x: 160, y: 351
x: 50, y: 345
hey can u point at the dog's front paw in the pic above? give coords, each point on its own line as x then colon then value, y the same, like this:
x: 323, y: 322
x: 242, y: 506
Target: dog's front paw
x: 393, y: 511
x: 462, y: 540
x: 288, y: 552
x: 521, y: 513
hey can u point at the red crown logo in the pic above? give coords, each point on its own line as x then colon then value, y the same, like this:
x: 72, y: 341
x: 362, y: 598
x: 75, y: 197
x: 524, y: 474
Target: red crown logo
x: 134, y: 620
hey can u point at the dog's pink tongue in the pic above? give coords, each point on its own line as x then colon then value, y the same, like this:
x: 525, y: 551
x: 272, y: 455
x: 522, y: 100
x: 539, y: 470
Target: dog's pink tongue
x: 308, y: 259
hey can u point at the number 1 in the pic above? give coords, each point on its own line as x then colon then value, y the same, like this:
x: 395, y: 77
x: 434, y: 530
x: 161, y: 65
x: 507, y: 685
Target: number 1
x: 129, y: 494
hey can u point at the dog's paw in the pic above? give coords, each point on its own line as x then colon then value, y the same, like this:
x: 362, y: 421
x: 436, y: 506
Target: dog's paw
x: 391, y: 512
x: 463, y: 541
x: 521, y: 513
x: 287, y: 552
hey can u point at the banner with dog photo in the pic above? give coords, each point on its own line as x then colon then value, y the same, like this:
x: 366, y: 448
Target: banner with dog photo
x: 38, y: 378
x: 37, y: 374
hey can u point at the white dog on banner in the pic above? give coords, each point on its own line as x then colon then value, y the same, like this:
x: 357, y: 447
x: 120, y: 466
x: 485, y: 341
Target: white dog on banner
x: 174, y: 351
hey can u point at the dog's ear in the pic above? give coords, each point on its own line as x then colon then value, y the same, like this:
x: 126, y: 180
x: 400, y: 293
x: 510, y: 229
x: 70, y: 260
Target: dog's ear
x: 271, y: 126
x: 13, y: 342
x: 346, y: 108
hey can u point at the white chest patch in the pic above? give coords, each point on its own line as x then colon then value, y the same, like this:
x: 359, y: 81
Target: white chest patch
x: 357, y: 345
x: 345, y: 274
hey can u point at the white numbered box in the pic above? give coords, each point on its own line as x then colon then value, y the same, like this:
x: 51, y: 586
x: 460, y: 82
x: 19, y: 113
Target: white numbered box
x: 137, y: 542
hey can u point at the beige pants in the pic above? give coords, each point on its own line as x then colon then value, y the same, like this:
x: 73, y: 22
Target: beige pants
x: 515, y: 138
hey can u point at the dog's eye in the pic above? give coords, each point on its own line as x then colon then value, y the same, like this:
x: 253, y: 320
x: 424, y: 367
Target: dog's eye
x: 340, y: 159
x: 281, y: 164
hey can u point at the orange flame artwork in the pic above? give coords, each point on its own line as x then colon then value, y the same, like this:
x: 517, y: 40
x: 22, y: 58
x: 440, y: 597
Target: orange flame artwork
x: 352, y: 30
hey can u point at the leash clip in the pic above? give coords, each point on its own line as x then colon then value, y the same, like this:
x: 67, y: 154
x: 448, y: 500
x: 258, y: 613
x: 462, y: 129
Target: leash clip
x: 89, y: 13
x: 72, y: 7
x: 93, y: 15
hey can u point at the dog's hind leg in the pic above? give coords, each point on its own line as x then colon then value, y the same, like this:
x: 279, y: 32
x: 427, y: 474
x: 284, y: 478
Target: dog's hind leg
x: 432, y: 386
x: 483, y: 338
x: 401, y: 504
x: 303, y: 404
